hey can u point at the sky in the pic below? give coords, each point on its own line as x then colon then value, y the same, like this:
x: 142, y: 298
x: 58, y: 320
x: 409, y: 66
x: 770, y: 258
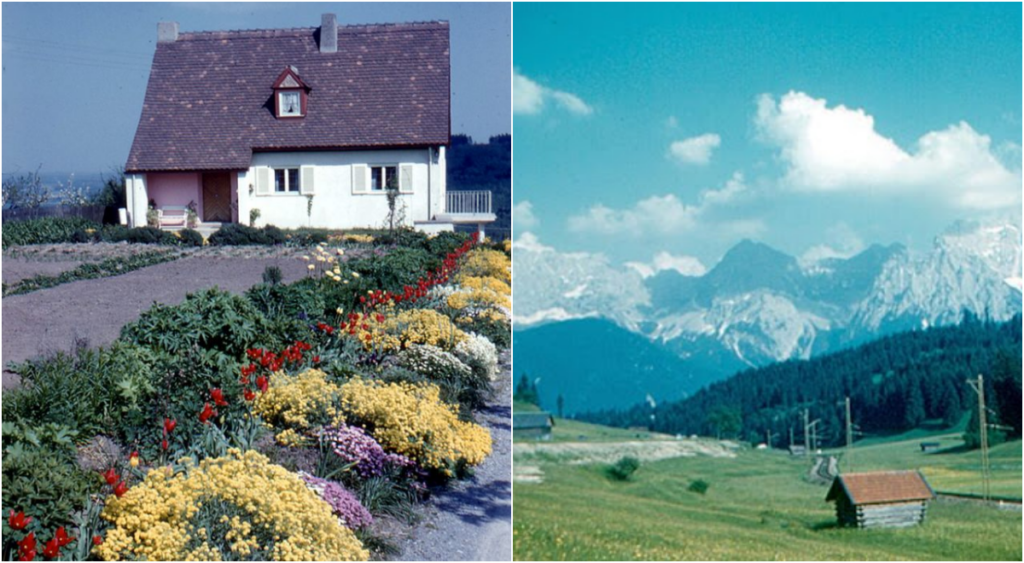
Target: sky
x: 661, y: 135
x: 74, y: 74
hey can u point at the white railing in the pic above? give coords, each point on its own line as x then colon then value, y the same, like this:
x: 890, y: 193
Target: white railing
x: 468, y: 202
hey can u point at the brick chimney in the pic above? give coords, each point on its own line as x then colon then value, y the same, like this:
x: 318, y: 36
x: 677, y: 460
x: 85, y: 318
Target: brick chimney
x: 328, y: 33
x: 166, y: 32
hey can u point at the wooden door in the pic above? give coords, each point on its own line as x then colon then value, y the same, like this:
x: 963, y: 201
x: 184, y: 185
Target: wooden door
x: 217, y: 197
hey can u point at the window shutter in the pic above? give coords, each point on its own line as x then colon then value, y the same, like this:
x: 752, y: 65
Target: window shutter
x: 263, y: 184
x: 405, y: 179
x: 359, y: 179
x: 306, y: 180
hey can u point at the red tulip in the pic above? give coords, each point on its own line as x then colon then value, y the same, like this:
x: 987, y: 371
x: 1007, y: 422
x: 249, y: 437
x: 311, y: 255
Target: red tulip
x: 27, y: 547
x: 261, y: 383
x: 120, y: 489
x: 52, y: 549
x: 62, y: 537
x: 249, y: 395
x: 218, y: 397
x: 111, y: 476
x: 18, y: 521
x: 97, y: 540
x: 170, y: 425
x: 316, y: 359
x: 164, y: 445
x: 207, y: 413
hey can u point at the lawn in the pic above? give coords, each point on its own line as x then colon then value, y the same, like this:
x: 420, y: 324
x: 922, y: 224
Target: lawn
x: 757, y: 507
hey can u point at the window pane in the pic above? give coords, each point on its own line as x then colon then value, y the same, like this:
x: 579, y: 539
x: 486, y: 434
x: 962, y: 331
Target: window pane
x: 293, y: 179
x: 376, y: 178
x: 392, y: 177
x: 278, y: 180
x: 289, y: 103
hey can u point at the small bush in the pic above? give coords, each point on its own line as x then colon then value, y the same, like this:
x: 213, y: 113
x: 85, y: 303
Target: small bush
x: 191, y: 237
x: 699, y: 486
x: 150, y: 235
x: 47, y: 230
x: 113, y: 233
x: 398, y: 268
x: 624, y: 469
x: 235, y: 234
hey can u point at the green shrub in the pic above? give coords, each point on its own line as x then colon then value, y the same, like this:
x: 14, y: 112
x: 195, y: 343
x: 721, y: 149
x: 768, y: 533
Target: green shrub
x: 90, y: 391
x: 150, y: 235
x: 191, y: 237
x: 288, y: 301
x: 40, y: 476
x: 235, y: 234
x: 624, y: 469
x: 113, y: 233
x: 443, y: 243
x: 399, y: 267
x: 404, y: 236
x: 699, y: 486
x: 47, y: 230
x: 272, y: 275
x: 307, y: 237
x: 110, y: 267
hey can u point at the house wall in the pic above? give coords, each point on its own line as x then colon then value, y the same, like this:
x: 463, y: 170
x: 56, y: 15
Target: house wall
x: 334, y: 203
x: 175, y: 188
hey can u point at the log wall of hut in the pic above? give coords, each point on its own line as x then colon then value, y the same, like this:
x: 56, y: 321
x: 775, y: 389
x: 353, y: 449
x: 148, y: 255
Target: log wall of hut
x: 895, y: 515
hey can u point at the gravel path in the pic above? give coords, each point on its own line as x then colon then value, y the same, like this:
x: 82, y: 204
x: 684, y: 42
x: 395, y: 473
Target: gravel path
x: 472, y: 519
x: 52, y: 319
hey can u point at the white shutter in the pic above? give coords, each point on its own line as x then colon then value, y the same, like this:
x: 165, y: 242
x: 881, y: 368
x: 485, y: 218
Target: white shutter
x: 306, y: 180
x: 263, y: 184
x: 359, y: 178
x: 405, y: 178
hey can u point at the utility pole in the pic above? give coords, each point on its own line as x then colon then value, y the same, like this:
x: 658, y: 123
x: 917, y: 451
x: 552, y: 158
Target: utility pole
x: 768, y: 437
x: 790, y: 434
x: 979, y: 387
x: 810, y: 438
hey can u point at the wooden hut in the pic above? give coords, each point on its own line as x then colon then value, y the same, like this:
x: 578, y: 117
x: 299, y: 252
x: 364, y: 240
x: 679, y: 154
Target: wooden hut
x: 532, y: 425
x: 880, y: 499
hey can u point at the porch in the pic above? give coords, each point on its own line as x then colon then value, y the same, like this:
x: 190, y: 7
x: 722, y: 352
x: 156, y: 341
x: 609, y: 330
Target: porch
x: 468, y: 207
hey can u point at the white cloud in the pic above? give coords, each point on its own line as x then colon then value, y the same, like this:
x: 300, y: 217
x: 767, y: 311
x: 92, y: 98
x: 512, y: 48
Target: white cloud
x: 838, y: 150
x: 695, y: 150
x: 530, y: 243
x: 523, y: 217
x: 530, y: 98
x: 663, y: 215
x: 840, y: 241
x: 685, y: 265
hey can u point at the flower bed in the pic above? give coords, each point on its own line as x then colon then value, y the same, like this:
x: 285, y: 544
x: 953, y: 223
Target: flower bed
x: 310, y: 409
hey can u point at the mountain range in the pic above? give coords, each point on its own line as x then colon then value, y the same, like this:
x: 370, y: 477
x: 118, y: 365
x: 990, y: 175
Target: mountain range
x: 756, y: 306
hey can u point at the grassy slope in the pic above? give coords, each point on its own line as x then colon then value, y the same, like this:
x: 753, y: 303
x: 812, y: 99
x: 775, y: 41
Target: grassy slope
x: 757, y: 508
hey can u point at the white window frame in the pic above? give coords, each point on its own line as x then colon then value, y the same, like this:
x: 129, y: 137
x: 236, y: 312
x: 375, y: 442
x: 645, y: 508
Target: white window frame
x: 281, y: 112
x: 384, y: 177
x: 287, y: 182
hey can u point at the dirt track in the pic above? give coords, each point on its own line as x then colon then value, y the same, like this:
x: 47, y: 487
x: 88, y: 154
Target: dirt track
x: 52, y: 319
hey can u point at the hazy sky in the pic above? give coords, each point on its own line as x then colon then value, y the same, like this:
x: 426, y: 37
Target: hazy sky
x: 669, y: 131
x: 74, y: 75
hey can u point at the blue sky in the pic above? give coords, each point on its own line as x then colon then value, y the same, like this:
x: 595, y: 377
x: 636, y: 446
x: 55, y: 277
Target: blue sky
x: 659, y: 133
x: 74, y: 75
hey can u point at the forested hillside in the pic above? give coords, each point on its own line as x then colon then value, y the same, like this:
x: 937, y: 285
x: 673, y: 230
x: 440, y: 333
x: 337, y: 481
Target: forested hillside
x: 894, y: 384
x: 484, y: 167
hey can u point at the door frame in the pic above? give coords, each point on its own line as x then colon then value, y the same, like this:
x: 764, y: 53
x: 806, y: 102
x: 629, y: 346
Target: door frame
x: 227, y: 193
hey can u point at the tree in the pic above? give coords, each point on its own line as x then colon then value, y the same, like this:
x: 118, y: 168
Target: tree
x: 526, y: 391
x: 561, y: 405
x: 725, y: 420
x: 1006, y: 385
x: 913, y: 406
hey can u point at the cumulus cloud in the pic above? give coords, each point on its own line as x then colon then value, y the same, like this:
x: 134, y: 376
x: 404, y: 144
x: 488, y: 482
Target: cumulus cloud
x: 695, y: 150
x: 685, y: 265
x: 840, y: 241
x: 660, y: 214
x: 838, y: 149
x: 530, y: 98
x: 522, y: 215
x: 530, y: 243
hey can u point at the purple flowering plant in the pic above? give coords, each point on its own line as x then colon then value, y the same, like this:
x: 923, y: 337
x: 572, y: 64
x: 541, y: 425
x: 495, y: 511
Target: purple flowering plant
x: 342, y: 502
x: 358, y: 449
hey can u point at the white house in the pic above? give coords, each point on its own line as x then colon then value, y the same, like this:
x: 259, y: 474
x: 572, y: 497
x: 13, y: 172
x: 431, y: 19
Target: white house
x: 310, y: 126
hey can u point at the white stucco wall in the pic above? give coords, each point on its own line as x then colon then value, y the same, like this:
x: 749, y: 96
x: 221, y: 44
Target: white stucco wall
x: 334, y: 203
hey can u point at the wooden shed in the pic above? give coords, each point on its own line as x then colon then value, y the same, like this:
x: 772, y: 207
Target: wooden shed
x: 532, y: 425
x: 880, y: 499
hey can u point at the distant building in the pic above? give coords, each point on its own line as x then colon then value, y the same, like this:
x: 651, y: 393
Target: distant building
x: 532, y: 426
x: 930, y: 446
x: 880, y: 499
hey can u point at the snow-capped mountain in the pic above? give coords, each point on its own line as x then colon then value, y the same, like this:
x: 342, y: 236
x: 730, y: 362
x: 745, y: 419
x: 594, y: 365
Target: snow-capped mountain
x: 759, y: 305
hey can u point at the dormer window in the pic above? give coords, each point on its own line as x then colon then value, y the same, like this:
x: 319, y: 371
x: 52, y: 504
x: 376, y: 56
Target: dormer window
x: 290, y: 94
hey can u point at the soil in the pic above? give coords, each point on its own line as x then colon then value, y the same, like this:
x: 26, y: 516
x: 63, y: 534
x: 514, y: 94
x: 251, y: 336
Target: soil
x: 49, y: 320
x: 471, y: 520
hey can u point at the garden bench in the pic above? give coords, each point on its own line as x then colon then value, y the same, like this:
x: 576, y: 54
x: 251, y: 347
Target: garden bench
x: 173, y: 215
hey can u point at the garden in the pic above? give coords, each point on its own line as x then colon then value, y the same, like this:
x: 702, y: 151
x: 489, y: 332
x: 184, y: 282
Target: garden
x: 282, y: 423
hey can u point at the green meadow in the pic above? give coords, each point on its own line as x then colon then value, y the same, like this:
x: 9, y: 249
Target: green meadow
x: 757, y: 507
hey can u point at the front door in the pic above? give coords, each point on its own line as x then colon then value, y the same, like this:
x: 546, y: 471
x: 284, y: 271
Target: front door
x: 217, y: 197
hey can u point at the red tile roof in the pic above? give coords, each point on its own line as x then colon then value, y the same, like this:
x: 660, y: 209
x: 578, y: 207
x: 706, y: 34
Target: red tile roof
x: 881, y: 487
x: 209, y: 100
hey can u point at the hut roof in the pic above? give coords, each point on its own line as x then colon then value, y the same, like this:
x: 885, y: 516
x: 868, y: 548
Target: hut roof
x: 532, y: 420
x: 879, y: 487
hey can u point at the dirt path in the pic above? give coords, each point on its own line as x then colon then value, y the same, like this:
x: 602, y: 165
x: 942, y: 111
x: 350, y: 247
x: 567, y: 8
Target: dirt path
x: 52, y: 319
x: 472, y: 519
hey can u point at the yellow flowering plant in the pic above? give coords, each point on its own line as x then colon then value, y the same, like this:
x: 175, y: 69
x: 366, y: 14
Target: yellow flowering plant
x: 412, y: 420
x: 297, y: 404
x: 481, y: 262
x: 236, y: 507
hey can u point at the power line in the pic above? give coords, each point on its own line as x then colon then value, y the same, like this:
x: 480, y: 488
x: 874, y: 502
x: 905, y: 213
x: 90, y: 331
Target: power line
x: 63, y: 45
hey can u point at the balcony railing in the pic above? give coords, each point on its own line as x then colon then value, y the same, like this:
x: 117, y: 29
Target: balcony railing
x: 468, y: 202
